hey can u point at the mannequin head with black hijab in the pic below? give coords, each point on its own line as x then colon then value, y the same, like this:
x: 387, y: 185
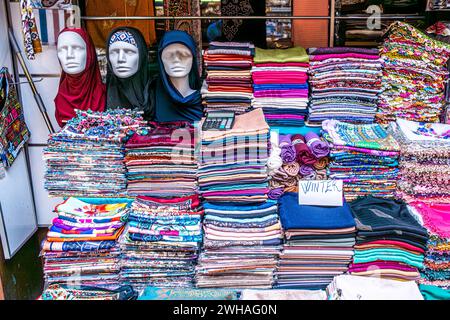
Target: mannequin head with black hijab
x: 128, y: 78
x: 177, y: 91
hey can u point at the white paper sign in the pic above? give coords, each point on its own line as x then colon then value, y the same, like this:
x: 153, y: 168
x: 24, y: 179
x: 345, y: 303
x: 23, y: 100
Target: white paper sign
x: 320, y: 193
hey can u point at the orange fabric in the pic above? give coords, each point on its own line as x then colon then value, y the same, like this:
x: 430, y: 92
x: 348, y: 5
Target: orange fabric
x: 310, y: 33
x: 99, y: 30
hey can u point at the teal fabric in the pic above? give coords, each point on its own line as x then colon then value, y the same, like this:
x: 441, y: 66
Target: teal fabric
x: 296, y: 130
x: 153, y: 293
x: 430, y: 292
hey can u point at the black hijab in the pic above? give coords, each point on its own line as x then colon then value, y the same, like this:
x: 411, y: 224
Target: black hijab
x: 170, y: 103
x: 133, y: 92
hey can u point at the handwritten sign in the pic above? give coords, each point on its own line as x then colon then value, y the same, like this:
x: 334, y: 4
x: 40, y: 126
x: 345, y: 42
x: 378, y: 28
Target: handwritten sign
x: 320, y: 193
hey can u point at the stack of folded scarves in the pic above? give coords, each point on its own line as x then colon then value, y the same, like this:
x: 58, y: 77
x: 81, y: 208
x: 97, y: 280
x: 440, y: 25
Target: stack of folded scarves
x: 81, y: 247
x: 345, y: 83
x: 364, y: 156
x: 414, y: 75
x: 233, y: 163
x: 293, y: 158
x: 86, y: 158
x: 424, y: 161
x: 436, y: 220
x: 160, y: 161
x: 228, y: 85
x: 280, y: 85
x: 161, y: 242
x: 241, y: 246
x: 390, y: 243
x: 319, y: 243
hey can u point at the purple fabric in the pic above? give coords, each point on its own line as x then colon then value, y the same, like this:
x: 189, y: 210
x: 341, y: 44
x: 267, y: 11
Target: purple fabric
x: 306, y: 170
x: 316, y: 51
x: 276, y: 193
x: 284, y: 139
x: 318, y: 147
x: 292, y: 93
x: 287, y: 150
x: 237, y: 192
x: 284, y: 116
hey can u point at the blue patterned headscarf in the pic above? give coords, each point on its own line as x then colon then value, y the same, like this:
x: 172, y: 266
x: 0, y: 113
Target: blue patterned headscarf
x: 123, y: 36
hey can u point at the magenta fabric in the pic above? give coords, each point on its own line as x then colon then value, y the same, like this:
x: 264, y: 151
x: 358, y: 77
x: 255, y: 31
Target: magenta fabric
x: 436, y: 217
x: 341, y: 56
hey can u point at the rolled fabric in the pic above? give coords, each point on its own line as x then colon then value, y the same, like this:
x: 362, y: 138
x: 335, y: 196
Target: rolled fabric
x: 306, y: 170
x: 291, y: 189
x: 274, y: 138
x: 291, y: 182
x: 285, y: 140
x: 318, y: 147
x: 291, y: 168
x: 321, y: 163
x: 321, y: 174
x: 276, y: 184
x: 280, y: 175
x: 273, y: 163
x: 312, y: 176
x: 276, y: 193
x: 303, y: 154
x: 276, y: 150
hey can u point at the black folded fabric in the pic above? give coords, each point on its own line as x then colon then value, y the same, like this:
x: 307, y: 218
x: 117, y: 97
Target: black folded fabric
x: 377, y: 214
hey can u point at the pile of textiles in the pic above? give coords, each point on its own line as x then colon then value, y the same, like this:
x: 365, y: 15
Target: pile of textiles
x: 414, y: 75
x: 293, y: 158
x: 233, y: 163
x: 349, y: 287
x: 161, y: 242
x: 435, y: 218
x: 160, y: 160
x: 86, y: 158
x: 345, y: 83
x: 241, y: 246
x: 364, y: 156
x: 390, y: 243
x: 228, y: 85
x: 280, y: 85
x: 424, y: 162
x: 63, y: 292
x: 319, y: 243
x: 81, y: 246
x: 438, y: 4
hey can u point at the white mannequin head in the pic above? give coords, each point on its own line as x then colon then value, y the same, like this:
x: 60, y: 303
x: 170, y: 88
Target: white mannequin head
x: 123, y: 54
x: 177, y: 60
x: 72, y: 52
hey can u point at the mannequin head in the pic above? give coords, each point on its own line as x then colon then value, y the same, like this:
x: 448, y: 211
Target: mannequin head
x: 177, y: 60
x: 72, y: 52
x: 123, y: 54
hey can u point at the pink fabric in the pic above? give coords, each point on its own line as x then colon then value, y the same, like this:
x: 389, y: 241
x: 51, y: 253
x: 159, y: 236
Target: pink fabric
x: 436, y: 217
x: 346, y: 55
x: 281, y: 65
x: 292, y: 93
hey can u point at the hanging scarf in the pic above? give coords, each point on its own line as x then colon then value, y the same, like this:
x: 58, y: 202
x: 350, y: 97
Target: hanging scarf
x: 170, y: 104
x: 31, y: 40
x: 81, y: 91
x: 133, y: 92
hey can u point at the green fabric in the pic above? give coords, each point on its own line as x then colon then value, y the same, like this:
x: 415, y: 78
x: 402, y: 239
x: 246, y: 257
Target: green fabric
x: 153, y: 293
x: 296, y: 54
x: 430, y: 292
x: 388, y: 255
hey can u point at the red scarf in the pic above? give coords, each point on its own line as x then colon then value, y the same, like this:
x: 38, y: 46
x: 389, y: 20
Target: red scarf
x: 81, y: 91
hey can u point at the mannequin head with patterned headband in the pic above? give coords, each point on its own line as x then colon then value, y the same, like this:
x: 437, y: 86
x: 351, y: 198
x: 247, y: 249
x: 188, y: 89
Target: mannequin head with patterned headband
x: 123, y: 54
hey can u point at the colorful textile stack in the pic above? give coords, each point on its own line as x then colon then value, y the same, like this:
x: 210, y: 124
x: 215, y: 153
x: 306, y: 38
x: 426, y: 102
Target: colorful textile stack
x: 63, y: 292
x: 241, y: 246
x: 228, y: 85
x: 233, y: 162
x: 86, y: 158
x: 161, y: 242
x: 345, y: 83
x: 280, y: 85
x: 294, y: 158
x: 319, y: 243
x: 81, y: 248
x: 160, y: 161
x: 414, y: 75
x: 435, y: 218
x: 424, y: 161
x: 390, y: 243
x: 364, y: 156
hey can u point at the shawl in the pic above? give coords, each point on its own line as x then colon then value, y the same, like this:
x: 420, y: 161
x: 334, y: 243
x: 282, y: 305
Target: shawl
x: 170, y: 104
x: 81, y: 91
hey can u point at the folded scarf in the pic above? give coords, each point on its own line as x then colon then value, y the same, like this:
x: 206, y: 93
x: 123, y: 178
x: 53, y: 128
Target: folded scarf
x: 306, y: 170
x: 321, y: 164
